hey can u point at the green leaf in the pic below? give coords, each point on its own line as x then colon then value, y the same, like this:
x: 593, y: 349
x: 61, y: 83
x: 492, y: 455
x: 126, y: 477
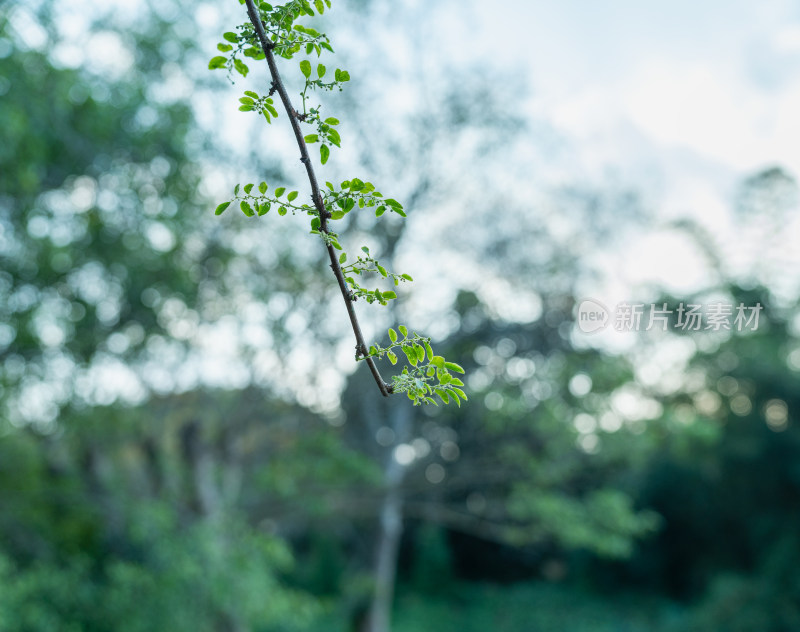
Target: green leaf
x: 231, y: 37
x: 337, y: 215
x: 279, y: 191
x: 319, y: 5
x: 321, y: 70
x: 333, y: 136
x: 246, y: 108
x: 392, y: 335
x: 246, y: 101
x: 389, y: 295
x: 442, y: 395
x: 217, y: 62
x: 311, y: 138
x: 262, y: 188
x: 461, y: 393
x: 438, y: 362
x: 343, y: 257
x: 246, y: 208
x: 236, y: 190
x: 392, y: 357
x: 315, y: 223
x: 381, y: 270
x: 452, y: 366
x: 221, y: 208
x: 263, y: 209
x: 373, y: 350
x: 420, y: 352
x: 407, y: 277
x: 324, y: 153
x: 241, y: 67
x: 292, y: 195
x: 332, y: 121
x: 305, y: 68
x: 410, y: 354
x: 282, y: 211
x: 252, y: 94
x: 248, y: 188
x: 380, y: 211
x: 224, y: 48
x: 403, y: 330
x: 429, y: 350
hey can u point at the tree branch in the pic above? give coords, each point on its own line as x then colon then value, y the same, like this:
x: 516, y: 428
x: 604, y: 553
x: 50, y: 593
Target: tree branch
x: 316, y: 196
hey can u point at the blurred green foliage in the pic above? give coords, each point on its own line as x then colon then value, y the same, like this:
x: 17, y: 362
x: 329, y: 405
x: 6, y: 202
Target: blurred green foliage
x: 236, y: 510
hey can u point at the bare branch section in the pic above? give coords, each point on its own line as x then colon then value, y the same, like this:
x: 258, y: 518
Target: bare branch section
x: 316, y: 196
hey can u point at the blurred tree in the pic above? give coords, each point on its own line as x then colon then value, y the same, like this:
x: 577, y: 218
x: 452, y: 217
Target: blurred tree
x: 725, y: 477
x: 171, y: 514
x: 110, y: 282
x: 449, y: 154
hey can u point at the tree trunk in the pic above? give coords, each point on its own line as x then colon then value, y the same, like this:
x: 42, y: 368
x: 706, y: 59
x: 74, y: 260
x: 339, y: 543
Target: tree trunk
x: 390, y: 527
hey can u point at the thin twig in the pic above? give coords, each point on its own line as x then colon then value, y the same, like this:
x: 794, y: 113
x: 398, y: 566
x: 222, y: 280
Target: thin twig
x: 316, y: 196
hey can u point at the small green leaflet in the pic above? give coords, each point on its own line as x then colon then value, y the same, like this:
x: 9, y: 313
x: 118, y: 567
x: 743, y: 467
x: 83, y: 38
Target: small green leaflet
x: 305, y: 68
x: 217, y: 62
x: 324, y: 153
x: 221, y: 208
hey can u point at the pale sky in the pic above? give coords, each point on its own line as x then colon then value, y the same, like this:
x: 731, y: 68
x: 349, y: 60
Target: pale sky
x: 687, y: 97
x: 683, y: 99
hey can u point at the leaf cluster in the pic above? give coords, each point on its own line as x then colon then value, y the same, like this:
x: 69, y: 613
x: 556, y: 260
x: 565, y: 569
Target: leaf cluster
x: 428, y: 374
